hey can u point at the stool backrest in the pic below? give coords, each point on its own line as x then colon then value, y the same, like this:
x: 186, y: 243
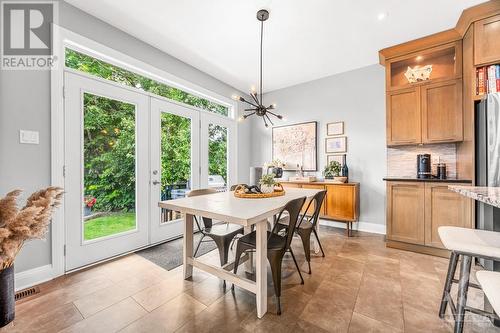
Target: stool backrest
x: 293, y: 208
x: 207, y: 222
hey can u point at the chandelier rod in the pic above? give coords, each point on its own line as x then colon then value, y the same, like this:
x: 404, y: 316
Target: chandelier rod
x: 261, y: 40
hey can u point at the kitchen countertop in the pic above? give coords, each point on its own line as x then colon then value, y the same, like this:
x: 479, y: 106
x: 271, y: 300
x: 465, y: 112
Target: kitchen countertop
x: 436, y: 180
x: 488, y: 195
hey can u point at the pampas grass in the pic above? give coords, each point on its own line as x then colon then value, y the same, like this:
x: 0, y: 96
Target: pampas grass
x: 30, y: 222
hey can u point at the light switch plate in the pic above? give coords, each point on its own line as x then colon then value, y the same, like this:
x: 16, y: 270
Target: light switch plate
x: 29, y: 137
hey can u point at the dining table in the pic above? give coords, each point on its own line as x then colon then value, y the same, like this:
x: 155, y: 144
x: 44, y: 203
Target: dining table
x: 247, y: 212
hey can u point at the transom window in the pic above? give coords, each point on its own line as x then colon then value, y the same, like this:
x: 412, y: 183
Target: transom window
x: 91, y: 65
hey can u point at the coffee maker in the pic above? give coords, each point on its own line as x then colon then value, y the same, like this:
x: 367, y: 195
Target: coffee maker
x: 424, y: 166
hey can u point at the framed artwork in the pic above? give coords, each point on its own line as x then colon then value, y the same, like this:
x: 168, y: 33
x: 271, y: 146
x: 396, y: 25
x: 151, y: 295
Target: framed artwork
x: 337, y: 157
x: 336, y: 145
x: 336, y: 128
x: 296, y: 145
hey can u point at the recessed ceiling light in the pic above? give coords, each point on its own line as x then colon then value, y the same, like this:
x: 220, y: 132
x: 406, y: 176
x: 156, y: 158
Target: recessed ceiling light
x: 419, y: 58
x: 382, y: 16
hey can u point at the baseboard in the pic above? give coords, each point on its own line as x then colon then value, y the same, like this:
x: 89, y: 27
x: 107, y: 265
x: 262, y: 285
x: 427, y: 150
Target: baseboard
x: 361, y: 226
x: 33, y: 277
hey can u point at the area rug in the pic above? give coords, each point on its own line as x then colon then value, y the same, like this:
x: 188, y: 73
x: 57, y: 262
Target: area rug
x: 168, y: 255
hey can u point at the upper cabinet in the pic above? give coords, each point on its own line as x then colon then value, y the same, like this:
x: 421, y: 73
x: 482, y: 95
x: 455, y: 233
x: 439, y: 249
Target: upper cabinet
x: 424, y: 96
x: 442, y: 116
x: 439, y: 63
x: 403, y: 117
x: 487, y: 40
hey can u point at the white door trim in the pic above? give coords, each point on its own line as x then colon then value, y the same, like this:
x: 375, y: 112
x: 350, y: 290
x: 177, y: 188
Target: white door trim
x: 61, y: 38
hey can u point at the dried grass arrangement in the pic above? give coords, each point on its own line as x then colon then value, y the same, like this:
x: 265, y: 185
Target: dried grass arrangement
x: 30, y: 222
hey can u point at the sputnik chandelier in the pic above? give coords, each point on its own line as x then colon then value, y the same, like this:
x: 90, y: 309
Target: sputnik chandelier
x: 257, y: 105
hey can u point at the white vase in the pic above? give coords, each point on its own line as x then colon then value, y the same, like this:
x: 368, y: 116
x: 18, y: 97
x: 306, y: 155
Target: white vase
x: 266, y: 188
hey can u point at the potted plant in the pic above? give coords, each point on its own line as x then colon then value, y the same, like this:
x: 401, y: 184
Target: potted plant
x: 276, y: 167
x: 89, y: 202
x: 267, y: 183
x: 332, y: 171
x: 16, y: 227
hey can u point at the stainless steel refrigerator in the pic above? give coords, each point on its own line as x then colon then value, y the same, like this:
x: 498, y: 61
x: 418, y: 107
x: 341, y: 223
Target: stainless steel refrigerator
x: 487, y: 124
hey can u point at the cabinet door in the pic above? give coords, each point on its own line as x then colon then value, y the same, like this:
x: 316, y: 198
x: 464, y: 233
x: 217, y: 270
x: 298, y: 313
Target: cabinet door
x: 341, y: 202
x: 444, y: 208
x: 405, y: 212
x: 403, y: 117
x: 310, y: 211
x: 487, y: 40
x: 442, y: 115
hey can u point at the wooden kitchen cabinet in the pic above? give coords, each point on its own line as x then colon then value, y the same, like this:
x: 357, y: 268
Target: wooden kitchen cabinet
x: 403, y: 117
x: 415, y: 211
x: 442, y: 115
x: 444, y: 208
x: 487, y: 40
x: 405, y: 212
x: 430, y: 113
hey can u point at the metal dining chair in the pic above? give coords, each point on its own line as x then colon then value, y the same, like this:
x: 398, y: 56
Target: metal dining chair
x: 277, y: 246
x: 307, y: 225
x: 221, y: 233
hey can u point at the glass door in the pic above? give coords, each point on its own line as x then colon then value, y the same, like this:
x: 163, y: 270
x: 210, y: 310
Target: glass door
x: 106, y: 170
x: 218, y: 152
x: 174, y: 163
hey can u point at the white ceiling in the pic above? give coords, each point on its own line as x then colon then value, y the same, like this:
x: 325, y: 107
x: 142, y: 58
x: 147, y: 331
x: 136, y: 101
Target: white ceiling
x: 303, y: 40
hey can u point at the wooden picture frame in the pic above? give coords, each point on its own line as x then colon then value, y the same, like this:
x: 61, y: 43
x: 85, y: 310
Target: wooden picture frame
x: 304, y: 152
x: 335, y: 145
x: 335, y: 157
x: 335, y: 128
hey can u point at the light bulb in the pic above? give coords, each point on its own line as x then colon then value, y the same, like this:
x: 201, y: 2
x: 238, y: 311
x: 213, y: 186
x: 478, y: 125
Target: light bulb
x: 382, y: 16
x: 252, y: 88
x: 235, y: 97
x: 241, y: 118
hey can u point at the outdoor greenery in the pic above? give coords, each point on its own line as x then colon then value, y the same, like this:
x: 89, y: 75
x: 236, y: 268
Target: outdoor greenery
x: 110, y: 72
x: 109, y: 144
x: 109, y: 225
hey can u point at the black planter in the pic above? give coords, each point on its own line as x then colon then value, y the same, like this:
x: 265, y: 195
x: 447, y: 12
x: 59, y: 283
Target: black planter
x: 7, y: 300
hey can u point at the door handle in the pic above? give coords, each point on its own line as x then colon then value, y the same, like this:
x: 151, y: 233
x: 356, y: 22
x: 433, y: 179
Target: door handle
x: 155, y: 182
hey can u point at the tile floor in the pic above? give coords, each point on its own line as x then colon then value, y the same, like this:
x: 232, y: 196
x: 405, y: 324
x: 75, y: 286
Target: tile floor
x: 360, y: 286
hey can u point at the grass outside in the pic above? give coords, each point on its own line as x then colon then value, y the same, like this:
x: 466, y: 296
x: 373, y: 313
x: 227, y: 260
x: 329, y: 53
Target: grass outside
x: 109, y: 225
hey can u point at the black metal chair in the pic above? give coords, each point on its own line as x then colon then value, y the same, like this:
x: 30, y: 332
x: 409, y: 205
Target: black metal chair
x: 277, y: 246
x: 307, y: 225
x: 221, y: 233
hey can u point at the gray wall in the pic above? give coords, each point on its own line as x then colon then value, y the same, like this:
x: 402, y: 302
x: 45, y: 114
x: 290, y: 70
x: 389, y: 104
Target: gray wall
x: 25, y: 104
x: 357, y: 98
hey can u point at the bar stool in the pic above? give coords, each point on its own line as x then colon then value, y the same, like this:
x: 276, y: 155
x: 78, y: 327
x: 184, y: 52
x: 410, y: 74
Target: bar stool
x: 490, y: 282
x: 465, y: 243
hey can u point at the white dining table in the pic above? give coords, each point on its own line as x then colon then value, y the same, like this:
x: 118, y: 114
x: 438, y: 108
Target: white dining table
x: 224, y: 206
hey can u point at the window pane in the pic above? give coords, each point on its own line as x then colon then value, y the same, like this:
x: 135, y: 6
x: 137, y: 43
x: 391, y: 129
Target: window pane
x: 217, y: 157
x: 175, y: 161
x: 109, y: 166
x: 88, y: 64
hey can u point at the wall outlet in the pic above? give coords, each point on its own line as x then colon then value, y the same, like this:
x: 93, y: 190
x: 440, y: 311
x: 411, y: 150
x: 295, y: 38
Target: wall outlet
x: 29, y: 137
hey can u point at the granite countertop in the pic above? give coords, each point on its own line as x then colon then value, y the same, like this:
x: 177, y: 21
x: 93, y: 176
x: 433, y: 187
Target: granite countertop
x: 409, y: 179
x: 488, y: 195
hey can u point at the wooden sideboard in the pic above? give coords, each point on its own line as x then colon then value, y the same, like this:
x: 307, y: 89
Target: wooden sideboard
x: 341, y: 202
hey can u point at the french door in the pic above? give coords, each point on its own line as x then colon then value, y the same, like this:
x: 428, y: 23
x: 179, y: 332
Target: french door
x: 106, y: 170
x: 175, y: 163
x: 125, y: 151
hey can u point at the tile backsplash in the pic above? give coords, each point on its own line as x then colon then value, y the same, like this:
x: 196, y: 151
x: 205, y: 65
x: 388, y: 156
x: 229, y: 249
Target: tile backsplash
x: 402, y: 161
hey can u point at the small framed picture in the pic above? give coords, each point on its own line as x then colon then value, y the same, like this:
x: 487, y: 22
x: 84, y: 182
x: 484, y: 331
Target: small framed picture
x: 336, y: 145
x: 337, y: 158
x: 336, y: 128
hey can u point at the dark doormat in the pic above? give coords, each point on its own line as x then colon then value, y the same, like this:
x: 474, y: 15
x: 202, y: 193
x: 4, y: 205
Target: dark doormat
x: 168, y: 255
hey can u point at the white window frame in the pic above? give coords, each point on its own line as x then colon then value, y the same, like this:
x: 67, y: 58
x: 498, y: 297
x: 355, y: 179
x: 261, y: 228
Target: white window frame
x: 63, y: 38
